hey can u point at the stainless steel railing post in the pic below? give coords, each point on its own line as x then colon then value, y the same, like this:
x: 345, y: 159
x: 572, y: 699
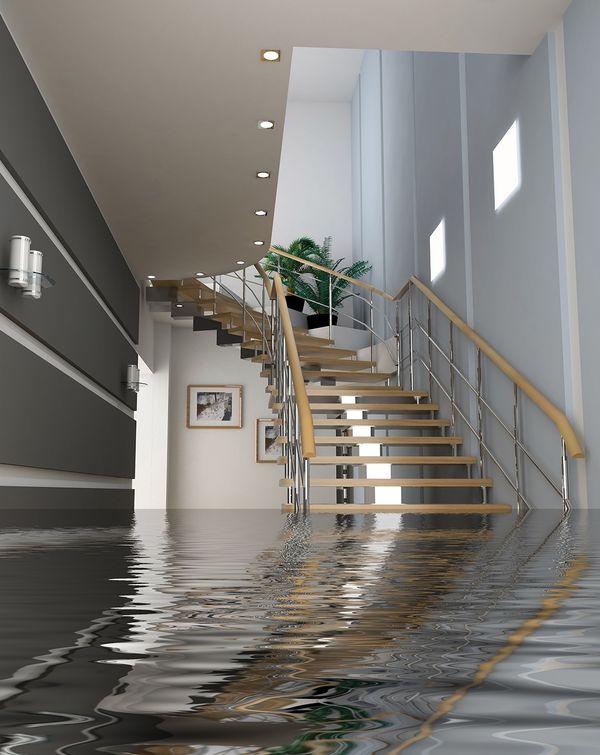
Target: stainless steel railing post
x: 330, y: 294
x: 399, y: 348
x: 516, y: 438
x: 371, y: 328
x: 429, y: 351
x: 452, y: 386
x: 411, y: 340
x: 565, y: 482
x: 480, y: 424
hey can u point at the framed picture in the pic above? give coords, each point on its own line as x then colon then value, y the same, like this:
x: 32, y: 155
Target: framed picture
x: 267, y: 448
x: 214, y: 406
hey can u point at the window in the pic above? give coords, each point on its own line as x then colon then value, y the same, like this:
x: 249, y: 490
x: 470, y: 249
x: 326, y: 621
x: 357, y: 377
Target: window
x: 507, y: 166
x: 437, y: 252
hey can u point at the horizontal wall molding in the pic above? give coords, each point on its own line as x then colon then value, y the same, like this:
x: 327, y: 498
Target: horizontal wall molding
x: 49, y: 421
x: 84, y: 499
x: 11, y: 475
x: 9, y: 328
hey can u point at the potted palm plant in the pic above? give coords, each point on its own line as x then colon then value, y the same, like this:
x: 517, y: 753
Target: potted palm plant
x: 290, y: 270
x: 316, y: 291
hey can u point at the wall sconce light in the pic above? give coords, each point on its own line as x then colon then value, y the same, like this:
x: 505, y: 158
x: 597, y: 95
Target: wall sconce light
x: 132, y: 382
x: 25, y: 268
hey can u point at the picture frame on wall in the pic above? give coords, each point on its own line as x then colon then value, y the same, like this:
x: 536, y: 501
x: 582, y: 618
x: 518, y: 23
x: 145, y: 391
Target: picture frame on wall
x: 268, y: 450
x: 214, y: 407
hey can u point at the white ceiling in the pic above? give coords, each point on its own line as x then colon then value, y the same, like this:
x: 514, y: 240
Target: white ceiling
x: 323, y: 74
x: 159, y: 100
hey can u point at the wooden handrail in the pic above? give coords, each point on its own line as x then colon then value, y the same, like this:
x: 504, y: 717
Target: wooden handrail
x: 307, y: 430
x: 563, y: 425
x: 266, y: 280
x: 334, y: 273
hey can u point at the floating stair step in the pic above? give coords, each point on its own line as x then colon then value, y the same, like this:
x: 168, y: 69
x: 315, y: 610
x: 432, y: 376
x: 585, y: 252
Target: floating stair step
x: 339, y: 422
x: 341, y: 461
x: 329, y: 351
x: 375, y: 377
x: 405, y: 508
x: 362, y: 390
x: 225, y: 338
x: 338, y: 364
x: 403, y: 482
x: 379, y: 408
x: 201, y: 323
x: 389, y: 440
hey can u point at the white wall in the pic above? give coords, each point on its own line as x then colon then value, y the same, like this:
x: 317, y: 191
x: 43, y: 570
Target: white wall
x: 505, y: 271
x: 152, y: 418
x: 217, y: 468
x: 314, y: 186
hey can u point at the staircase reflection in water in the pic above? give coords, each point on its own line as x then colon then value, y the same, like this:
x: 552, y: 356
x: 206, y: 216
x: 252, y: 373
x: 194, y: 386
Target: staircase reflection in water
x: 232, y: 632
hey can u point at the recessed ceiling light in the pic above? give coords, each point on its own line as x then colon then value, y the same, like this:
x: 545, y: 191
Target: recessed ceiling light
x: 258, y: 243
x: 179, y: 305
x: 151, y: 277
x: 260, y: 213
x: 266, y: 124
x: 241, y: 262
x: 199, y: 275
x: 270, y: 56
x: 263, y: 174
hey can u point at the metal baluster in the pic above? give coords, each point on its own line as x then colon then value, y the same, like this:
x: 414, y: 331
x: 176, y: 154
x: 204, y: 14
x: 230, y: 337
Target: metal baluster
x: 244, y: 304
x: 306, y: 496
x: 330, y: 307
x: 410, y: 340
x: 520, y: 499
x: 429, y: 350
x: 371, y: 326
x: 399, y: 348
x: 215, y: 294
x: 566, y: 499
x: 264, y: 325
x: 452, y: 386
x: 480, y: 423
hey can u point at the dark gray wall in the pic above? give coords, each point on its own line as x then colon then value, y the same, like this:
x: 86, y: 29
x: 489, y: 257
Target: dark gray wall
x: 32, y: 145
x: 67, y: 318
x: 582, y: 51
x: 48, y: 419
x: 71, y: 499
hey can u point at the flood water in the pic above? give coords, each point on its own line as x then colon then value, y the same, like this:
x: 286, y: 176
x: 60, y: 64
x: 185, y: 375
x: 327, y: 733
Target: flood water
x: 207, y: 632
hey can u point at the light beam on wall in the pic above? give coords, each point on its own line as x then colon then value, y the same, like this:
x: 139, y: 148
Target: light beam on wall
x: 437, y: 251
x: 507, y: 166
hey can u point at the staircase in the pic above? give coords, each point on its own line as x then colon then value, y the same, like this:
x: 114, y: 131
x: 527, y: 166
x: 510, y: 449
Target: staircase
x: 354, y: 437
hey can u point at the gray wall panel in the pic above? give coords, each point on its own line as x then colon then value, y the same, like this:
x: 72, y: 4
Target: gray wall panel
x: 67, y: 318
x: 32, y: 145
x: 21, y: 498
x: 48, y: 420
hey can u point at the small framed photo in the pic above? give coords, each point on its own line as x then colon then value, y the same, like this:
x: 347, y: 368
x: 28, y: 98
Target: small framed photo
x: 268, y: 450
x: 214, y: 406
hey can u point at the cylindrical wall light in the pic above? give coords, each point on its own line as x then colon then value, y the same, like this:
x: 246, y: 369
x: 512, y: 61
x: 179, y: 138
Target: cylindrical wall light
x: 18, y: 274
x: 33, y: 289
x: 132, y: 382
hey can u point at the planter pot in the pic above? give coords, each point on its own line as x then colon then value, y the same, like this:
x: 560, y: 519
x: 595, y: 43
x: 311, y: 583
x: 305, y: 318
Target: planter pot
x: 294, y: 302
x: 320, y: 321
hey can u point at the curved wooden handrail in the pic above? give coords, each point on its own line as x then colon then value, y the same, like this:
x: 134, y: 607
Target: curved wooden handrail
x: 334, y: 273
x: 307, y: 430
x: 543, y: 403
x: 266, y: 280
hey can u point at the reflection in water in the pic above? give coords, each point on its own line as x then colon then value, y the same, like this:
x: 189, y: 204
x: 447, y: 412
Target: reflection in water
x: 201, y: 633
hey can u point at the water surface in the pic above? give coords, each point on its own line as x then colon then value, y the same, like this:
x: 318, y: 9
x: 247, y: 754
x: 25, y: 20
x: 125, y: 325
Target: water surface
x: 207, y: 632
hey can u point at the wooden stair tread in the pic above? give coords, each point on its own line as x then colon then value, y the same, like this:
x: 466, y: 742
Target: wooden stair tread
x: 403, y: 482
x: 382, y: 408
x: 398, y: 440
x: 338, y: 362
x: 362, y: 390
x: 405, y: 508
x: 341, y: 422
x: 408, y: 460
x: 344, y: 375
